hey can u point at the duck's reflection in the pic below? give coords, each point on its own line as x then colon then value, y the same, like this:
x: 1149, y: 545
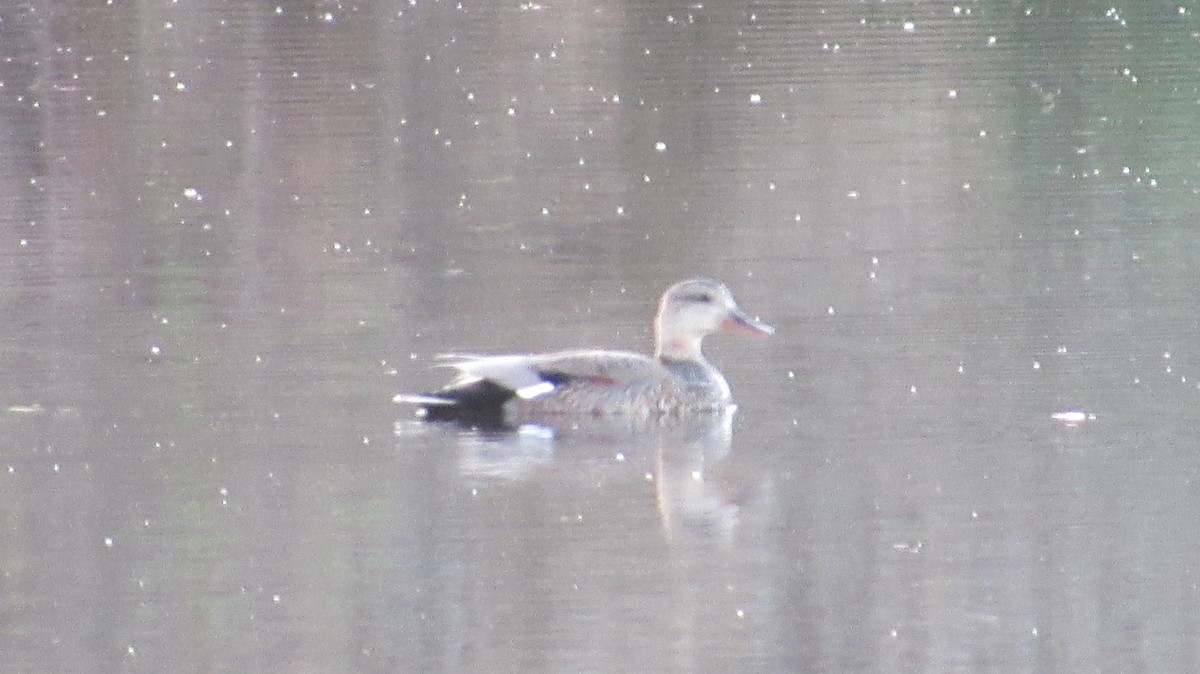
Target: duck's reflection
x: 689, y: 490
x: 698, y: 486
x: 606, y: 547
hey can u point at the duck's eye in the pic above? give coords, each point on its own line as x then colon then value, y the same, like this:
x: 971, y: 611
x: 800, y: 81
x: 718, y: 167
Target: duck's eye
x: 699, y: 298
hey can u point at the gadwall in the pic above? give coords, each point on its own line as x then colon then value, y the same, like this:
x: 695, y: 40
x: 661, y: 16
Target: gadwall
x: 502, y: 390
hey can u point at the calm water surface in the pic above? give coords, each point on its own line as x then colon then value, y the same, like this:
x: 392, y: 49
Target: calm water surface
x: 230, y: 231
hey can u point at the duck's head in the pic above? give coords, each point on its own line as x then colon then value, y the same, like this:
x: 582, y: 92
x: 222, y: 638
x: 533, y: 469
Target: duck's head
x: 691, y: 310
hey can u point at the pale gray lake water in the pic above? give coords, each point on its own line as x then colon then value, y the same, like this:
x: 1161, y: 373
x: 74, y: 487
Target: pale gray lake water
x: 231, y: 231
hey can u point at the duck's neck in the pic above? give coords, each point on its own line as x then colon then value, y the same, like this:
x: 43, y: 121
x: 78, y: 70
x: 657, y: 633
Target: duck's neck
x: 678, y: 347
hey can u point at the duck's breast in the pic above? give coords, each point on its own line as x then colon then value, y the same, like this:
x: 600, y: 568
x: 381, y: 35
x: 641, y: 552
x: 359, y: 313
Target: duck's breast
x: 703, y: 384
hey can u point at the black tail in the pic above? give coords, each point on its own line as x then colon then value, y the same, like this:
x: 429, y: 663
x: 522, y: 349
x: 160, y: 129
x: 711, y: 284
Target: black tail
x: 479, y: 404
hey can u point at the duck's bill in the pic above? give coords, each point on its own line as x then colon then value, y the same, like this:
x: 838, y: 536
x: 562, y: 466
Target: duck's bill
x: 740, y: 322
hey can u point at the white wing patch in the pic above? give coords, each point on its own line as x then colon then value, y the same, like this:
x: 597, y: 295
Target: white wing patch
x: 539, y: 389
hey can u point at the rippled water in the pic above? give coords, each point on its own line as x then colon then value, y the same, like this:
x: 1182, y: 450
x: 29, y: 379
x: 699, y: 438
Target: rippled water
x: 232, y: 231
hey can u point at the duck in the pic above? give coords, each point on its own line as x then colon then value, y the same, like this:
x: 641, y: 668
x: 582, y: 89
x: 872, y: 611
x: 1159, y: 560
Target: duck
x: 504, y: 391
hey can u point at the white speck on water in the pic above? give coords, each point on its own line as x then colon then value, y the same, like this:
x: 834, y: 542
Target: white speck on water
x: 697, y: 475
x: 740, y: 613
x: 961, y: 369
x: 649, y: 477
x: 991, y: 41
x: 1166, y: 355
x: 1037, y: 365
x: 620, y: 210
x: 830, y: 310
x: 852, y: 194
x: 755, y: 98
x: 660, y: 146
x: 193, y: 194
x: 155, y: 351
x: 953, y: 93
x: 910, y: 27
x: 791, y: 374
x: 912, y: 389
x: 275, y: 598
x: 108, y: 541
x: 620, y: 457
x: 966, y: 187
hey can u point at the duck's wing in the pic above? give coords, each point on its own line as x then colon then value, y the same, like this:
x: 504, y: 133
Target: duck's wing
x: 485, y: 385
x: 532, y: 376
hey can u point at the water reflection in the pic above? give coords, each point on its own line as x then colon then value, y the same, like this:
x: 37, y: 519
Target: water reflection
x: 649, y: 540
